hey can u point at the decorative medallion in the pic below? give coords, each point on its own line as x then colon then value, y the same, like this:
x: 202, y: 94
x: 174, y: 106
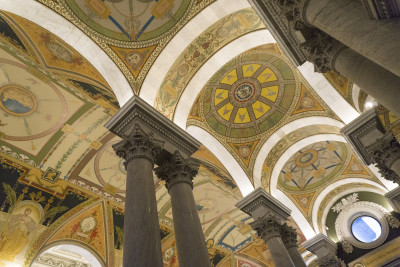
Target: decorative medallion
x: 304, y: 201
x: 125, y: 21
x: 313, y: 166
x: 307, y: 102
x: 253, y: 93
x: 17, y: 100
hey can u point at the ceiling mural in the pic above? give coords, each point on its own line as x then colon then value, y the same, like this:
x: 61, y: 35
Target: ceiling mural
x: 198, y: 52
x: 132, y: 32
x: 284, y: 143
x: 40, y: 87
x: 308, y: 171
x: 342, y: 85
x: 251, y: 97
x: 61, y: 181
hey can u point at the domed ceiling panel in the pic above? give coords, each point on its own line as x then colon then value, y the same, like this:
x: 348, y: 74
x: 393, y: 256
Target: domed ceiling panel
x: 307, y: 172
x: 251, y: 97
x: 132, y: 33
x: 284, y: 143
x: 198, y: 52
x: 45, y: 94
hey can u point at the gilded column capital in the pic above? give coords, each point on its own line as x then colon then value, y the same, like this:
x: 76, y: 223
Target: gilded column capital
x: 294, y: 12
x: 322, y: 50
x: 289, y: 236
x: 267, y: 227
x: 138, y: 145
x: 177, y: 170
x: 385, y: 151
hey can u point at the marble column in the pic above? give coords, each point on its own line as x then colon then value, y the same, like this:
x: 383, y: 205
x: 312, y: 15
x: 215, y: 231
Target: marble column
x: 142, y: 243
x: 178, y: 174
x: 289, y: 238
x: 346, y: 21
x: 269, y: 215
x: 325, y: 250
x: 329, y: 54
x: 374, y: 145
x: 148, y: 138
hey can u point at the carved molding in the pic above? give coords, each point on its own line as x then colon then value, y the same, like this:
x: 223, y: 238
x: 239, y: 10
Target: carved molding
x: 289, y: 236
x: 177, y: 170
x: 138, y: 145
x: 267, y: 227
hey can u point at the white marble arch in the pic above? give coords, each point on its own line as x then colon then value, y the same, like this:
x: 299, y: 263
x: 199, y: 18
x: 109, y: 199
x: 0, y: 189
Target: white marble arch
x: 216, y: 62
x: 378, y: 189
x: 298, y: 217
x: 280, y: 133
x: 222, y: 154
x: 181, y: 40
x: 328, y: 94
x: 59, y: 26
x: 70, y: 250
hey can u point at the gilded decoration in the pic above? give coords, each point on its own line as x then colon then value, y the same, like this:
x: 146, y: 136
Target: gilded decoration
x: 310, y: 169
x: 389, y: 120
x: 342, y: 85
x: 249, y: 98
x: 198, y: 52
x: 284, y: 143
x: 123, y: 28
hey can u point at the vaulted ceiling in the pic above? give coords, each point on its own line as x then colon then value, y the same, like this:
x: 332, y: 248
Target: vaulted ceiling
x: 214, y: 69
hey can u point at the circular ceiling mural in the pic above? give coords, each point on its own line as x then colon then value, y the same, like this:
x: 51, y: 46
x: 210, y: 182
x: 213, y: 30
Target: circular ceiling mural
x: 313, y: 165
x: 110, y: 169
x: 249, y: 95
x: 130, y: 20
x: 29, y: 102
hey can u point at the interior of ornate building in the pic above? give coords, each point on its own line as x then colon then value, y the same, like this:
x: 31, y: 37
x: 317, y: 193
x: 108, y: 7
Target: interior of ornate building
x: 264, y: 118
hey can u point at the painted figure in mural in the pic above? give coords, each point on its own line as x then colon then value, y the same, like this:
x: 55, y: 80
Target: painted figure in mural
x: 15, y: 235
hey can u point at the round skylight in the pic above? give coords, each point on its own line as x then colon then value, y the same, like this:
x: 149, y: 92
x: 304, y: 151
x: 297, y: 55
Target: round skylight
x: 366, y: 229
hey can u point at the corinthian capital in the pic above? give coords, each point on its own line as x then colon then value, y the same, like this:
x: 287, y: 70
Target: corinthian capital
x: 267, y: 227
x: 385, y: 151
x: 138, y: 145
x: 322, y: 50
x: 289, y: 236
x: 293, y: 10
x: 177, y: 170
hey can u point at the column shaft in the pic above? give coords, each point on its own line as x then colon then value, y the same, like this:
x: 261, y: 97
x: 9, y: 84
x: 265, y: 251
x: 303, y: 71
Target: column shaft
x: 296, y: 257
x: 192, y: 250
x: 376, y: 81
x: 278, y: 252
x: 142, y: 242
x: 346, y: 21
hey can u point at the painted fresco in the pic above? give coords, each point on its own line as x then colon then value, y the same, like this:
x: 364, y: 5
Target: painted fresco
x: 198, y: 52
x: 133, y: 33
x: 249, y: 98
